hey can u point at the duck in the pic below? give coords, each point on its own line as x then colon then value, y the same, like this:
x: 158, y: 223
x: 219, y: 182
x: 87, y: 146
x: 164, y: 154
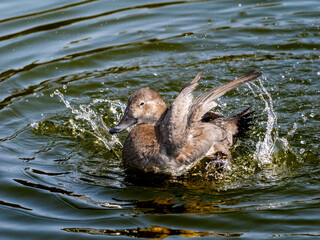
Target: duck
x: 172, y: 140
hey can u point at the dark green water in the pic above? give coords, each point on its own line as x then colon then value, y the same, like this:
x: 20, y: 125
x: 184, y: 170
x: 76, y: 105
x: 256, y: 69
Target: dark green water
x: 65, y: 65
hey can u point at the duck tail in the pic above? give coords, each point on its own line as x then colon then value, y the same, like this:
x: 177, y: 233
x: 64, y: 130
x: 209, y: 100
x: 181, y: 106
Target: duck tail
x: 244, y: 121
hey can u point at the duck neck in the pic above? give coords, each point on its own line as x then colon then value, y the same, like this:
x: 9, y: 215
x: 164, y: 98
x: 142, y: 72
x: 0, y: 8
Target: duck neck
x: 158, y: 122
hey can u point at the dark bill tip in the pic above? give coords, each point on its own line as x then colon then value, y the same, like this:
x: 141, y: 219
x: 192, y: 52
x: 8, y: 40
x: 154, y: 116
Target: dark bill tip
x: 115, y: 130
x: 123, y: 125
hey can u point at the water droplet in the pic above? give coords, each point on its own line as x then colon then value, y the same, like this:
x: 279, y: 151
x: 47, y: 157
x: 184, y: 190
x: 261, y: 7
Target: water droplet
x: 35, y: 125
x: 302, y: 150
x: 64, y: 86
x: 239, y: 5
x: 304, y: 117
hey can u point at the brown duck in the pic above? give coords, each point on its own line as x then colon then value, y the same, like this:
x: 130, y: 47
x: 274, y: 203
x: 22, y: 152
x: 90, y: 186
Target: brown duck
x: 173, y: 140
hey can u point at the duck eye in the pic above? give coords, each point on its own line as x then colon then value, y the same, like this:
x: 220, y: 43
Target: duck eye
x: 141, y: 104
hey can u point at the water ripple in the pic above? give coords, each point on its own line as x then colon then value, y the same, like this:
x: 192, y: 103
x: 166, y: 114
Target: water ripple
x: 67, y: 70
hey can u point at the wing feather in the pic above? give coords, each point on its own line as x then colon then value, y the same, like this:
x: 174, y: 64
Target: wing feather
x: 174, y: 125
x: 185, y: 111
x: 204, y: 103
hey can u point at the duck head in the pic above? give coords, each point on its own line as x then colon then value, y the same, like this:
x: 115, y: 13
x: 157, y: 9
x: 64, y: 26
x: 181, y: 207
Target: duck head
x: 144, y: 106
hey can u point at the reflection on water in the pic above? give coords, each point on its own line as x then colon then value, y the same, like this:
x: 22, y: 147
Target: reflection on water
x: 154, y: 232
x: 43, y: 187
x: 14, y: 205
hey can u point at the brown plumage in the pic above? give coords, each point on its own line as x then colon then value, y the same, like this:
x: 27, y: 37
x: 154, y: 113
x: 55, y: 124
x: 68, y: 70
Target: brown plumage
x: 173, y: 140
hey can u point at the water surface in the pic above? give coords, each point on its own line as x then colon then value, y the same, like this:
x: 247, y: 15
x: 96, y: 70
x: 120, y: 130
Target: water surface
x: 67, y: 70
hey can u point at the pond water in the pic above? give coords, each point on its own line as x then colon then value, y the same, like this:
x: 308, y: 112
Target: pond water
x: 67, y: 70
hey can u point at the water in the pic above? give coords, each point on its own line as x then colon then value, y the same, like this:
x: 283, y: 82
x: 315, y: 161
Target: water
x: 67, y: 70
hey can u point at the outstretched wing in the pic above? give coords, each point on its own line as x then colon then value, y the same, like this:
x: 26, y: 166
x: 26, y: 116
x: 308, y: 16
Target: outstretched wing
x: 174, y: 125
x: 185, y: 112
x: 204, y: 103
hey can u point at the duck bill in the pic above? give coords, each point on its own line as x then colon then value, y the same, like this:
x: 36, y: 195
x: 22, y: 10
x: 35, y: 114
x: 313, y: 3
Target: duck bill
x: 125, y: 122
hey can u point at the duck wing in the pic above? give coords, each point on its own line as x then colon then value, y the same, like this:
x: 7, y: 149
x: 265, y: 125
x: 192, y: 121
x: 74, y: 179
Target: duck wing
x: 185, y: 112
x: 174, y: 125
x: 204, y: 103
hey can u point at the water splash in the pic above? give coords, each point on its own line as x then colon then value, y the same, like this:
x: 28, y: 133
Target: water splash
x: 270, y: 159
x: 99, y: 128
x: 265, y: 146
x: 270, y: 145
